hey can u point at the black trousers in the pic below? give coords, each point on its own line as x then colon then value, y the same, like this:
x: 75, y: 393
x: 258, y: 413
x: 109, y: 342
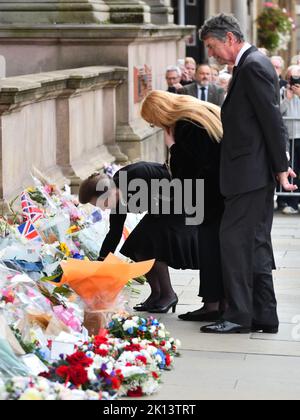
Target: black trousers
x: 211, y: 282
x: 247, y: 258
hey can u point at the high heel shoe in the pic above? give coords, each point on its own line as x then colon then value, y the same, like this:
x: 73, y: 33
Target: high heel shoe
x: 165, y: 309
x: 141, y: 307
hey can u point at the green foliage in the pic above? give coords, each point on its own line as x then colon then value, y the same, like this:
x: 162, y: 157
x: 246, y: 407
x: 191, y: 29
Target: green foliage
x: 274, y: 25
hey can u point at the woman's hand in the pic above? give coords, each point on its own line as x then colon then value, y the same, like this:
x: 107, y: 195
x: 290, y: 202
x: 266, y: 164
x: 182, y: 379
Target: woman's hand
x: 169, y: 138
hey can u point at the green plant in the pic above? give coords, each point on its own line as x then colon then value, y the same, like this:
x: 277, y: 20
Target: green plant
x: 274, y: 27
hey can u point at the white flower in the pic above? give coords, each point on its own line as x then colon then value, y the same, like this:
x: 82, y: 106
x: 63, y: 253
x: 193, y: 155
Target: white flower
x: 135, y: 319
x: 178, y: 343
x: 31, y: 394
x: 91, y: 374
x: 129, y: 324
x: 161, y: 334
x: 150, y: 387
x: 168, y: 345
x: 128, y: 371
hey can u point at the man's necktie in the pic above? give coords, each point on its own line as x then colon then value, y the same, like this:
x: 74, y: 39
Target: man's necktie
x: 203, y: 94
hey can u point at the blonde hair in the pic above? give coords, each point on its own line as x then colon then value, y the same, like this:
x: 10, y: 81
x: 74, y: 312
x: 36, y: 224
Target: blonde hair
x: 190, y: 60
x: 164, y: 109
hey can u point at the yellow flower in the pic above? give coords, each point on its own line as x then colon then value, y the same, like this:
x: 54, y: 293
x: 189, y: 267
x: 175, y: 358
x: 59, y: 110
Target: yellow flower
x: 72, y: 229
x: 30, y: 190
x: 64, y: 248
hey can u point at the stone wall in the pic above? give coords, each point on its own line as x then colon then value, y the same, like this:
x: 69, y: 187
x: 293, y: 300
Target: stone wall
x: 62, y: 123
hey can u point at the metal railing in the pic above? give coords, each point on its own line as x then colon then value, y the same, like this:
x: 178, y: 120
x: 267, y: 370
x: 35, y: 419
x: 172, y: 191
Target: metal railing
x: 280, y: 192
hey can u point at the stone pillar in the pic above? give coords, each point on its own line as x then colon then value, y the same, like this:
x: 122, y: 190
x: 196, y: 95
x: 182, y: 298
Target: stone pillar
x: 53, y: 12
x: 240, y: 11
x: 161, y: 11
x: 134, y: 11
x: 181, y: 11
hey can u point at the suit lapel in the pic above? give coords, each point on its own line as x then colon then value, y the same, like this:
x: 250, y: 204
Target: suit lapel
x: 237, y: 70
x: 195, y: 90
x: 211, y: 93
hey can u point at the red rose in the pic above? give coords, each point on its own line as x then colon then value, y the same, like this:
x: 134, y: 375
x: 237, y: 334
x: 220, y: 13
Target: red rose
x: 101, y: 338
x: 168, y: 360
x: 155, y: 375
x: 101, y: 352
x: 142, y: 359
x: 45, y: 375
x: 62, y: 371
x: 116, y: 383
x: 78, y: 375
x: 79, y: 358
x: 135, y: 393
x: 133, y: 347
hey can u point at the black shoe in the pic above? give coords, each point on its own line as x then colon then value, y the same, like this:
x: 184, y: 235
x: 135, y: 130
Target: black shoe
x: 141, y: 307
x: 225, y: 327
x: 266, y: 329
x: 165, y: 309
x: 201, y: 317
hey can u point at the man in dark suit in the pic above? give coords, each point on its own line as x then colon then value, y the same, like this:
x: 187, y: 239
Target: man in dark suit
x: 202, y: 88
x: 253, y: 155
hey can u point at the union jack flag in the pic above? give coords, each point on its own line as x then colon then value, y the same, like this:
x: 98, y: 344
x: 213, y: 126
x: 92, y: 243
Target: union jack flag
x: 30, y: 210
x: 28, y: 230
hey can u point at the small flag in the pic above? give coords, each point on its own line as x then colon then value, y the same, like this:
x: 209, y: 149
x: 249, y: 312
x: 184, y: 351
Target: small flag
x: 96, y: 216
x: 30, y: 210
x: 28, y: 230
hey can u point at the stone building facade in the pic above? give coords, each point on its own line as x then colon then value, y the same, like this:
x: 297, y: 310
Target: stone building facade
x: 76, y: 73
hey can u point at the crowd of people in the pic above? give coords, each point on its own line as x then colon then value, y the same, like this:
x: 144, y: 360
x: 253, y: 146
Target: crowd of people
x: 210, y: 83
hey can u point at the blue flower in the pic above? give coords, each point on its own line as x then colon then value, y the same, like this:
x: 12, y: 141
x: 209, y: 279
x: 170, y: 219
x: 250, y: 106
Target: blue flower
x: 130, y: 330
x: 162, y: 365
x: 143, y: 329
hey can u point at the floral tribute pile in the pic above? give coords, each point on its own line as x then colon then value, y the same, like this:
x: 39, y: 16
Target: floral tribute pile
x: 46, y: 350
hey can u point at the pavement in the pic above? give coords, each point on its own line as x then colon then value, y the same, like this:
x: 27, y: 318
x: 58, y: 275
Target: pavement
x: 239, y: 367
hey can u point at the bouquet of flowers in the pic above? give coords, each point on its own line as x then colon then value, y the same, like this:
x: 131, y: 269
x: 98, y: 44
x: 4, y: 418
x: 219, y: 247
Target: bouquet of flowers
x: 140, y: 330
x: 79, y: 371
x: 275, y: 26
x: 40, y: 389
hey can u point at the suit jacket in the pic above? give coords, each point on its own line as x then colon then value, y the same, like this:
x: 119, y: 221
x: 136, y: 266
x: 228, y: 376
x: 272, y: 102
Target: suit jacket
x: 253, y: 147
x: 215, y: 94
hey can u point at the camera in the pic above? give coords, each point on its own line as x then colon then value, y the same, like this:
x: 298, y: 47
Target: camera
x: 295, y: 80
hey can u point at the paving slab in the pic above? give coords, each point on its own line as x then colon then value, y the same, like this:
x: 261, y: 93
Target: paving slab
x: 239, y: 367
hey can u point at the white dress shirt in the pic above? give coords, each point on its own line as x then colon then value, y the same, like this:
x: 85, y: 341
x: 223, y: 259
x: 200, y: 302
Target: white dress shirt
x: 245, y: 48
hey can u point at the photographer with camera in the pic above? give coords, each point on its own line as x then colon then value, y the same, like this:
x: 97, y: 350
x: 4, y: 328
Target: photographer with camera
x: 290, y: 107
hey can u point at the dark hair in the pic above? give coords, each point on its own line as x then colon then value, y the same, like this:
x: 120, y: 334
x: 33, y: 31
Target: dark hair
x: 219, y: 26
x: 94, y: 186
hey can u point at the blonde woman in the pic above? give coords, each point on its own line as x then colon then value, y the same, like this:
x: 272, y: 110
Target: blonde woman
x: 193, y: 132
x: 188, y: 71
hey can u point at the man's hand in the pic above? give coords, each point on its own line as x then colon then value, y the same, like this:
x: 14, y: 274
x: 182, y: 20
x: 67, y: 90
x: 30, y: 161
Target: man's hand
x: 169, y: 138
x: 178, y: 86
x: 296, y: 90
x: 283, y: 179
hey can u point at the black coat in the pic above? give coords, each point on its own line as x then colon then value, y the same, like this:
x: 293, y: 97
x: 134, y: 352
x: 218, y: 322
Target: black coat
x: 196, y: 156
x: 253, y: 147
x: 140, y: 170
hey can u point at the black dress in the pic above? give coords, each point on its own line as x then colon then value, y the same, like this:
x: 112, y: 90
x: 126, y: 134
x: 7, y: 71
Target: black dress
x: 196, y: 156
x: 164, y: 237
